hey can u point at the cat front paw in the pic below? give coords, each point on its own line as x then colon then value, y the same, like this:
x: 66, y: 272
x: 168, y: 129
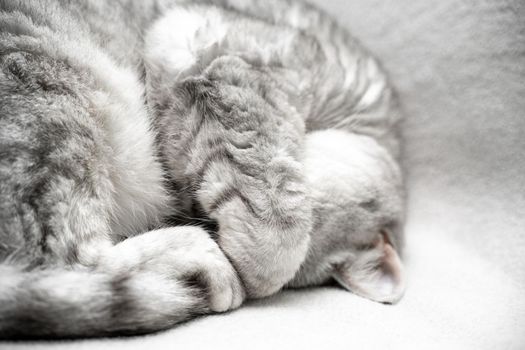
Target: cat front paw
x: 215, y: 279
x: 183, y: 259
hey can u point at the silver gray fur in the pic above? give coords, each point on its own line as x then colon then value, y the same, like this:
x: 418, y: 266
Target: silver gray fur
x: 100, y: 143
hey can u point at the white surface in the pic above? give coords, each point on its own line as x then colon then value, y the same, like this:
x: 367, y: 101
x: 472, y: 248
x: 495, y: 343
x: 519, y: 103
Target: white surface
x: 460, y: 70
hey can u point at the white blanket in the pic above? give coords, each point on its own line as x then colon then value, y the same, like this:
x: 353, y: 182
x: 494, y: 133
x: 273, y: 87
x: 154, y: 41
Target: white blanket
x: 460, y: 69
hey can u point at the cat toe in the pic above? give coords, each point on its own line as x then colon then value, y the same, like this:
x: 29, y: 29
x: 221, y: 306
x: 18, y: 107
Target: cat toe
x: 230, y: 296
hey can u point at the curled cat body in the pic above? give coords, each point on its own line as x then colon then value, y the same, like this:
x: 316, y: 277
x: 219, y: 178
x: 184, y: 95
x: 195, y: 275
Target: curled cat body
x: 164, y: 159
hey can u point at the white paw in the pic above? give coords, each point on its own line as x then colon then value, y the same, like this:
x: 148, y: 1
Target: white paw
x: 186, y: 255
x: 224, y: 288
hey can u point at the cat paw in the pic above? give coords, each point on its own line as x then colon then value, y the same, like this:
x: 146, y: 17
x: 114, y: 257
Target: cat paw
x: 187, y: 258
x: 216, y: 278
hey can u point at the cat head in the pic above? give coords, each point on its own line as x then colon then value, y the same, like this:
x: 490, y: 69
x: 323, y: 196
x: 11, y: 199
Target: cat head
x: 373, y: 271
x: 357, y: 236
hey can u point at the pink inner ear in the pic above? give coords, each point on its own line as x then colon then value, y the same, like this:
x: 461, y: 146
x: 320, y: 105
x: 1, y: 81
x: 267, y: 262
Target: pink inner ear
x: 391, y: 261
x: 376, y: 274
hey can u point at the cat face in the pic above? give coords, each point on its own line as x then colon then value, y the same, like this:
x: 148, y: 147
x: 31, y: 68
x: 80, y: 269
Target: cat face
x: 373, y: 271
x: 357, y: 198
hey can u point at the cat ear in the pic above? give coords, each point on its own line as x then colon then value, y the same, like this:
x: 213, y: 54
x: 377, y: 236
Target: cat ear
x: 376, y: 274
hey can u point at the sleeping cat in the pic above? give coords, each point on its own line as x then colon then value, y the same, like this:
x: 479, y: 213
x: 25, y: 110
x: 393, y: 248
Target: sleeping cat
x: 162, y: 159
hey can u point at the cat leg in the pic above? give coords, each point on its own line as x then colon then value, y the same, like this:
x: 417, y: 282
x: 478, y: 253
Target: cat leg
x: 231, y: 139
x: 258, y: 198
x: 146, y: 283
x: 357, y: 196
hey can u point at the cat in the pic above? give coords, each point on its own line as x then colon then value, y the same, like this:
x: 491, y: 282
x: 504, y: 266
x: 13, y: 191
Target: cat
x: 164, y: 159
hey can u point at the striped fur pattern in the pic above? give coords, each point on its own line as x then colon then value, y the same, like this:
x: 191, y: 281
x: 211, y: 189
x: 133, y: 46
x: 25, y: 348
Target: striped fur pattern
x: 262, y: 126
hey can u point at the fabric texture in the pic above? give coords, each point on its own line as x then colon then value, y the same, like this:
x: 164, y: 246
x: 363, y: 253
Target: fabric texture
x: 459, y: 67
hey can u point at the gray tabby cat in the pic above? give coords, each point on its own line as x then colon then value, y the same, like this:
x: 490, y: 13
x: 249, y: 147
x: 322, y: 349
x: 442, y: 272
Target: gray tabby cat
x: 120, y: 119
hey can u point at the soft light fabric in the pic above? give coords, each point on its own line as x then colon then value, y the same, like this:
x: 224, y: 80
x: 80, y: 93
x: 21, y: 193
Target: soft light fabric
x: 459, y: 67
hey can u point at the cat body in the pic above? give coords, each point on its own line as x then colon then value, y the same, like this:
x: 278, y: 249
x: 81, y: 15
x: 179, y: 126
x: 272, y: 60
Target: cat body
x: 119, y: 119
